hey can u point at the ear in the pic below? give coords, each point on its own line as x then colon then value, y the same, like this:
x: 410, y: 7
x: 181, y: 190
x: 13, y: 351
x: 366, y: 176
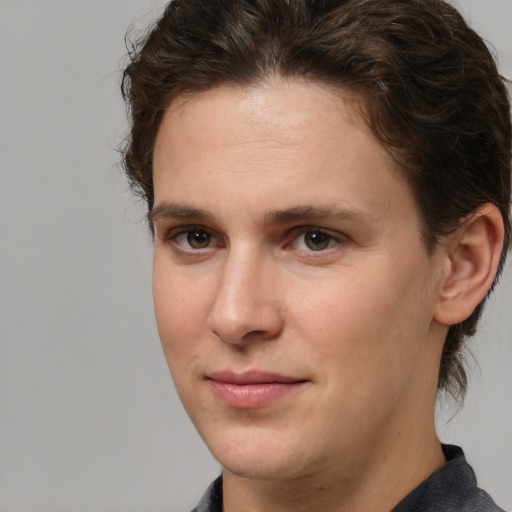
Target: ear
x: 470, y: 261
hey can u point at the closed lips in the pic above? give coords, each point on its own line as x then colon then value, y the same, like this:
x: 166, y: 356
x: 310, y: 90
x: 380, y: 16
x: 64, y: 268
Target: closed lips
x: 251, y: 390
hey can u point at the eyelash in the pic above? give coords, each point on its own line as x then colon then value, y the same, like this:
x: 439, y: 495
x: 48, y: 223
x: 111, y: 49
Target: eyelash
x: 295, y: 235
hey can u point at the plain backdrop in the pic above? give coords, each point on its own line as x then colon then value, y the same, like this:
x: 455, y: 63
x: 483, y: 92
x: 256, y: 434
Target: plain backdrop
x: 89, y: 420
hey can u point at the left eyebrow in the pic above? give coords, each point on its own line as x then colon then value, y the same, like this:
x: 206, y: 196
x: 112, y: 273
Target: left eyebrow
x: 313, y: 213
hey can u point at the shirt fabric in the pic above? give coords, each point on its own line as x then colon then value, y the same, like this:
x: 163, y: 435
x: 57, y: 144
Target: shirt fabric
x: 452, y: 488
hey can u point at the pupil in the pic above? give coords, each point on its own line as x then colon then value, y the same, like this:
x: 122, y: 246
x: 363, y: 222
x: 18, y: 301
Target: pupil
x: 198, y: 239
x: 317, y: 241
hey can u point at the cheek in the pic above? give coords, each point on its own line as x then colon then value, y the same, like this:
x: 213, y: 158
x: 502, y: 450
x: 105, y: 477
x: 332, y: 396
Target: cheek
x: 180, y: 317
x: 366, y: 329
x: 180, y: 314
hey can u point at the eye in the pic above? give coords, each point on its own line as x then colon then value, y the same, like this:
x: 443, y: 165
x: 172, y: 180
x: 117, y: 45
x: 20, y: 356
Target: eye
x: 315, y: 240
x: 194, y: 239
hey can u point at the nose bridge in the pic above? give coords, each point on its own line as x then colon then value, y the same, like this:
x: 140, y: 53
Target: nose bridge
x: 246, y: 304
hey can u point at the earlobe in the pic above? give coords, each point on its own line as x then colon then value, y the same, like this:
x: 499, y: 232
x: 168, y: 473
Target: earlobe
x: 471, y: 257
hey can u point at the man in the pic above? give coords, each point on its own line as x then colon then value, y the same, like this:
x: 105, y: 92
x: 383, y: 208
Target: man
x: 328, y: 186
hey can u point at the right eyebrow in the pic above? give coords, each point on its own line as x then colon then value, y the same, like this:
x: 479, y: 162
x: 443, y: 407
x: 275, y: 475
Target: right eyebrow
x: 177, y: 211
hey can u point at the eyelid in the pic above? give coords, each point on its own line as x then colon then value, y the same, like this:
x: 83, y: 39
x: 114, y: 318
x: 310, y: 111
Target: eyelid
x: 170, y: 232
x: 300, y: 230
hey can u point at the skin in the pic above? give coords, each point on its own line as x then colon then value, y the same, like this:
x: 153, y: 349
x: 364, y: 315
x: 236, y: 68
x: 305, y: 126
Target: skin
x: 335, y: 290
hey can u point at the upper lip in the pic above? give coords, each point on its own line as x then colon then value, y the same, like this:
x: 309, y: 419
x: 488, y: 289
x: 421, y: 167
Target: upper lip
x: 251, y: 377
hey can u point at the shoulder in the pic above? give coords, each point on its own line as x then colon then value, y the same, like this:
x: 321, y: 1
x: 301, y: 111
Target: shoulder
x: 453, y: 488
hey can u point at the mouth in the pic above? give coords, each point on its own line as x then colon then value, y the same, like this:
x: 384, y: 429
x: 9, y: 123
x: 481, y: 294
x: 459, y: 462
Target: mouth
x: 253, y: 389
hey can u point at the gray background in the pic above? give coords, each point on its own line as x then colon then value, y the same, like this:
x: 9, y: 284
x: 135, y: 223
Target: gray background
x: 88, y: 417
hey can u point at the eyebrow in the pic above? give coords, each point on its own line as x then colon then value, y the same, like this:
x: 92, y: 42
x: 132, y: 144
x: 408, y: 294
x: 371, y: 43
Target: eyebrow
x: 307, y: 212
x: 185, y: 212
x: 177, y: 211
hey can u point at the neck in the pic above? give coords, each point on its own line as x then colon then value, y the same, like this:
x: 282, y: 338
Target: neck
x: 378, y: 482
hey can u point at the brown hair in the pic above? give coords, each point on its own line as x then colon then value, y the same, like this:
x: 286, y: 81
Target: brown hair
x: 430, y: 87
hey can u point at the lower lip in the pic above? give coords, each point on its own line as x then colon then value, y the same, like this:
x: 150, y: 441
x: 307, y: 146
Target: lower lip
x: 252, y: 396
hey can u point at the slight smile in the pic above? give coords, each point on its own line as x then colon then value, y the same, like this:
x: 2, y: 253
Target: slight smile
x: 252, y: 389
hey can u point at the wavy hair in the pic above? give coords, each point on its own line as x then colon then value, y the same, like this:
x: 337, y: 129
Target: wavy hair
x: 430, y: 88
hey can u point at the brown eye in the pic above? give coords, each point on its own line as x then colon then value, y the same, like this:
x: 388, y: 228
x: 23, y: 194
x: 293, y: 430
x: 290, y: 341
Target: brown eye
x: 317, y: 241
x: 193, y: 239
x: 198, y: 239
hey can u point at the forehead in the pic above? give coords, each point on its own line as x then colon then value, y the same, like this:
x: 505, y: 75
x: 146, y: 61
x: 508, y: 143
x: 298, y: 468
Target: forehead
x: 277, y: 107
x: 275, y: 146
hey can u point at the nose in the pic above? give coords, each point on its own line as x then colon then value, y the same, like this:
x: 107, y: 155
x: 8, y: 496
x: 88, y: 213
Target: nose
x: 247, y: 306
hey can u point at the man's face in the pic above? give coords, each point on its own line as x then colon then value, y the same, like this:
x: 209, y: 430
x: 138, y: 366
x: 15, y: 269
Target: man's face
x: 294, y: 297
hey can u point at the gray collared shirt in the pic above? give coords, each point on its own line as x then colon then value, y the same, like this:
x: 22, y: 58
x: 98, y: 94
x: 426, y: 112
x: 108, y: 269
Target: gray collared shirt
x: 452, y: 488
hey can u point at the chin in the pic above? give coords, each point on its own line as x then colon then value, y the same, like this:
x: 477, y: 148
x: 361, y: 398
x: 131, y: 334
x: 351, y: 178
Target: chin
x: 261, y: 458
x: 275, y: 470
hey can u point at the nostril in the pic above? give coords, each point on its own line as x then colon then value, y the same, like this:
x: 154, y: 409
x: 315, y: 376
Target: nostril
x: 260, y: 325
